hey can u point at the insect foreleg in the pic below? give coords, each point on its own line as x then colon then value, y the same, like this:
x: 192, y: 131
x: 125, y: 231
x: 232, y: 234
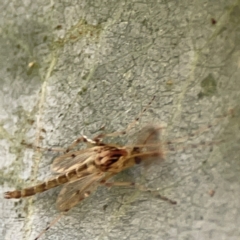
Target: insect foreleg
x: 50, y: 149
x: 83, y: 138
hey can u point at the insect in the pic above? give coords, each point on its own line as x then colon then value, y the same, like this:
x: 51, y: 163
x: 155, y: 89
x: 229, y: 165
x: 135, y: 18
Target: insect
x: 83, y: 171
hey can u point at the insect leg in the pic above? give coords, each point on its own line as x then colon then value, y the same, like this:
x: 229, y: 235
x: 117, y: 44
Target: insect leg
x: 29, y: 145
x: 50, y: 225
x: 205, y: 128
x: 83, y: 138
x: 141, y: 188
x: 158, y: 195
x: 71, y: 194
x: 129, y: 127
x: 123, y: 184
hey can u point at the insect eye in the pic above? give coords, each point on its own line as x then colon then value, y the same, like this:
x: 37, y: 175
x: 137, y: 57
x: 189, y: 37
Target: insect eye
x: 136, y: 149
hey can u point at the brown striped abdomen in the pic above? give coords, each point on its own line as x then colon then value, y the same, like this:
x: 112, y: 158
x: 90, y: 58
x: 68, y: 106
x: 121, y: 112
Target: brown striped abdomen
x: 52, y: 183
x: 26, y: 192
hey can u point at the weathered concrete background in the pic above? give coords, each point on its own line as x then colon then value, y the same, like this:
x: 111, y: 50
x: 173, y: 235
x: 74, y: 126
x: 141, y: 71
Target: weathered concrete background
x: 70, y: 67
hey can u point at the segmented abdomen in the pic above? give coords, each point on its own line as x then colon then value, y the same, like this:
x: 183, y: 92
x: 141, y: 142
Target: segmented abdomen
x: 61, y: 179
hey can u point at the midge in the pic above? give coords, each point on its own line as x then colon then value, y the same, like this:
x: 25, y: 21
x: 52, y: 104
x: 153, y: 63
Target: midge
x: 100, y: 162
x: 82, y: 171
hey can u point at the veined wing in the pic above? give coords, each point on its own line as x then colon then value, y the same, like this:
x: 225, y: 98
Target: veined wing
x: 75, y: 159
x: 148, y: 140
x: 74, y: 192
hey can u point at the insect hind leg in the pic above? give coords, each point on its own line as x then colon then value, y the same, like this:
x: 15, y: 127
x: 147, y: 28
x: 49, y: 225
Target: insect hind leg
x: 50, y: 225
x: 141, y: 188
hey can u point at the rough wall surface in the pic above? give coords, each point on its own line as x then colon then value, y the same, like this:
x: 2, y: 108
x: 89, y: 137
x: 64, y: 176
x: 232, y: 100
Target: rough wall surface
x: 71, y: 67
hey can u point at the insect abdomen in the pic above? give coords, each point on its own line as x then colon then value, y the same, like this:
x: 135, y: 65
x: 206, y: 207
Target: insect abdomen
x: 26, y: 192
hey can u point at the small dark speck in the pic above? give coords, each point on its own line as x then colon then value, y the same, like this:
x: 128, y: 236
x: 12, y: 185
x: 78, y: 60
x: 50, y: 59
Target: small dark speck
x: 43, y: 130
x: 137, y: 160
x: 105, y: 207
x: 213, y: 21
x: 211, y: 193
x: 136, y: 149
x: 58, y: 27
x: 171, y: 148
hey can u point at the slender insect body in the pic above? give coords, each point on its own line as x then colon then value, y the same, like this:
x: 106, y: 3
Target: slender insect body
x: 100, y: 160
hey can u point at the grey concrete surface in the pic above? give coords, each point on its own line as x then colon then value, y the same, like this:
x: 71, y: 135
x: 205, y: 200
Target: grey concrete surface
x: 71, y: 67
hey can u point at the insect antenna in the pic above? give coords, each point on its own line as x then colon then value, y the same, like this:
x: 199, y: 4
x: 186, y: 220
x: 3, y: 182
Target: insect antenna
x: 202, y: 129
x: 129, y: 127
x: 169, y: 145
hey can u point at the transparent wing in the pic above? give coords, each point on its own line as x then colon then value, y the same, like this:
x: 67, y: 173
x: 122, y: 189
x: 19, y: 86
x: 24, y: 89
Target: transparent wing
x: 75, y: 159
x: 74, y: 192
x: 148, y: 140
x: 149, y: 136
